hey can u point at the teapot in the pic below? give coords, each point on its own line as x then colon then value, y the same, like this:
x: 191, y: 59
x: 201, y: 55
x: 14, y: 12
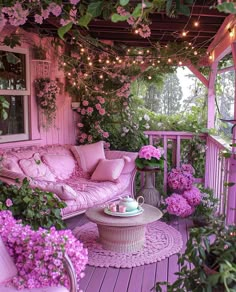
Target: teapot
x: 130, y: 203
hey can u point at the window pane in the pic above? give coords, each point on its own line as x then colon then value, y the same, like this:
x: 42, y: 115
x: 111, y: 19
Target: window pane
x: 12, y: 71
x: 15, y: 123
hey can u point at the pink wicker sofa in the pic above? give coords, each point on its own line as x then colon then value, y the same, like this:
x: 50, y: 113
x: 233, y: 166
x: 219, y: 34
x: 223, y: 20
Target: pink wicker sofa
x: 57, y: 169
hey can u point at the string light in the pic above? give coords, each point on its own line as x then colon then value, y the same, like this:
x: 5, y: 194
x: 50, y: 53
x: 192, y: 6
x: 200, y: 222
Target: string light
x: 142, y: 62
x: 196, y: 23
x: 120, y: 61
x: 74, y: 83
x: 69, y: 74
x: 99, y: 60
x: 64, y: 64
x: 189, y: 44
x: 149, y: 77
x: 153, y: 64
x: 107, y: 61
x: 180, y: 63
x: 136, y: 31
x: 134, y: 62
x: 101, y: 76
x: 140, y: 52
x: 210, y: 57
x: 88, y: 58
x: 82, y: 49
x: 184, y: 33
x: 148, y: 51
x: 90, y: 63
x: 169, y: 60
x: 195, y: 53
x: 158, y: 61
x: 117, y: 58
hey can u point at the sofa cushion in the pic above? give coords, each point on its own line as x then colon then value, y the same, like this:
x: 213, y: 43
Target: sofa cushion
x: 11, y: 163
x: 108, y: 170
x: 62, y: 166
x: 34, y: 167
x: 89, y: 155
x: 11, y: 174
x: 7, y: 267
x: 129, y: 163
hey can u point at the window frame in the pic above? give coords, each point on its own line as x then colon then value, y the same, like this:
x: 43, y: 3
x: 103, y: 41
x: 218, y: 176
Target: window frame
x: 25, y: 93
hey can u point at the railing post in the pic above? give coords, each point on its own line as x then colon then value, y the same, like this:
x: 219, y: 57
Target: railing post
x: 231, y: 200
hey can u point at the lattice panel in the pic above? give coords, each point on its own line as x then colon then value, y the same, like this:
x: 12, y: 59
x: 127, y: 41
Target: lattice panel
x: 42, y: 68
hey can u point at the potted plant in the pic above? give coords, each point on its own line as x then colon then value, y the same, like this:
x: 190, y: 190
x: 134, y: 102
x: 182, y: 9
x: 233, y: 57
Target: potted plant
x: 211, y: 253
x: 150, y: 157
x: 205, y: 211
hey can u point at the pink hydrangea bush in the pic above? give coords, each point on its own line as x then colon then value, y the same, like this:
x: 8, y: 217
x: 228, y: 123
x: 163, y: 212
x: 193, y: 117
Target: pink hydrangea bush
x: 38, y: 255
x: 181, y: 179
x: 178, y: 205
x: 184, y: 203
x: 150, y: 156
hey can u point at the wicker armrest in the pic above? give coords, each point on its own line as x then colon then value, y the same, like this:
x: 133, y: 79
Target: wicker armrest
x: 71, y: 273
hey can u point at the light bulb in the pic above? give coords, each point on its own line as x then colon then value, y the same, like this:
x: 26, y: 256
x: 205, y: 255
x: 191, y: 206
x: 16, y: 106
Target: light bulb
x: 120, y: 61
x: 153, y: 64
x: 69, y: 74
x: 107, y: 61
x: 101, y: 76
x: 149, y: 77
x: 180, y: 63
x: 169, y: 60
x: 158, y: 61
x: 90, y: 63
x: 140, y: 52
x: 74, y: 83
x: 148, y: 51
x: 196, y: 23
x: 88, y: 58
x: 184, y: 33
x: 64, y: 64
x: 210, y: 57
x: 117, y: 58
x: 136, y: 31
x: 195, y: 53
x: 82, y: 49
x: 99, y: 60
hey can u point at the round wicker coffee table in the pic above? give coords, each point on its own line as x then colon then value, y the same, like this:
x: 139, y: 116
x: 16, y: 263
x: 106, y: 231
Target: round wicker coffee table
x: 123, y: 234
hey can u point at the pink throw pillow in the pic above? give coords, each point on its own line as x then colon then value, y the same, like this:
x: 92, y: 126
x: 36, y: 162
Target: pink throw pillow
x: 34, y: 167
x: 11, y: 163
x: 108, y: 170
x: 89, y: 155
x: 7, y: 267
x: 62, y: 166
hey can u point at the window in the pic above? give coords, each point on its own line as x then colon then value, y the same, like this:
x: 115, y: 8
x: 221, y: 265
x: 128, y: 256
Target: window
x: 15, y: 88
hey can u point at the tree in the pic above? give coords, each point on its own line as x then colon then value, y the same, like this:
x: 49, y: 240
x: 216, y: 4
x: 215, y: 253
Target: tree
x: 171, y: 95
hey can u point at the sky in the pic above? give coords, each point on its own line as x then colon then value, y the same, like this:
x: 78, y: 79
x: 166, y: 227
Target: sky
x: 185, y: 82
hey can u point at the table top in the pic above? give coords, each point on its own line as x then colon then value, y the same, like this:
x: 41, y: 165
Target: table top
x: 149, y: 215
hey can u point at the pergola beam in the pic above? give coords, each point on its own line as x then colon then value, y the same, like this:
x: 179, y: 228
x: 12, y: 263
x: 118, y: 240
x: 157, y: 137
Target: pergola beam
x: 198, y: 74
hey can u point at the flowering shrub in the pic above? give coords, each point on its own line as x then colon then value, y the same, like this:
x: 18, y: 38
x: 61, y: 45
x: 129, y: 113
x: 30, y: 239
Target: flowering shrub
x: 38, y: 255
x: 178, y: 205
x: 189, y: 197
x: 150, y: 156
x: 33, y: 206
x: 46, y: 91
x: 181, y: 179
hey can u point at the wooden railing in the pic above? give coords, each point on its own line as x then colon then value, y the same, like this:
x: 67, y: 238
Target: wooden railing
x: 216, y: 166
x: 217, y: 170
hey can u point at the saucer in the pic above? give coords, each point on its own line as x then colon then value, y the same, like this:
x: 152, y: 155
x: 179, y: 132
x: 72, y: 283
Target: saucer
x: 136, y: 212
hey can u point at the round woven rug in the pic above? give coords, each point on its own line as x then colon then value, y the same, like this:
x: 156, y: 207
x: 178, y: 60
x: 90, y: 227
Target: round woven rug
x: 162, y: 241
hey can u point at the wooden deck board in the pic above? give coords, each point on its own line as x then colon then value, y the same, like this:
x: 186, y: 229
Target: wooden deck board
x: 110, y: 280
x: 137, y: 279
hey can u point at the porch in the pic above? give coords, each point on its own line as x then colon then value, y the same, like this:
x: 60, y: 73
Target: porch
x: 136, y: 279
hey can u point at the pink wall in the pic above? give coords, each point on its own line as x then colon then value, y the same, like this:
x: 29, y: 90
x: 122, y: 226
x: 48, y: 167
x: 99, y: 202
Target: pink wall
x: 64, y: 130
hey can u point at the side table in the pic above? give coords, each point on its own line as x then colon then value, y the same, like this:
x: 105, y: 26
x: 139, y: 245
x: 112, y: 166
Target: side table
x: 148, y: 191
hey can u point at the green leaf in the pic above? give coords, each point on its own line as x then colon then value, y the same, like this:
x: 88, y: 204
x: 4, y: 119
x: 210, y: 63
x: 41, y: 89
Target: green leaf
x: 183, y: 9
x: 137, y: 11
x: 124, y: 2
x: 229, y: 184
x: 13, y: 59
x: 95, y: 8
x: 64, y: 29
x: 84, y: 20
x: 116, y: 17
x: 168, y: 6
x: 227, y: 7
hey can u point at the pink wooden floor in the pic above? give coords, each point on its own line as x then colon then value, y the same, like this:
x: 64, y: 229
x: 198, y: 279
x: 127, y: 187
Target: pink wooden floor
x: 138, y: 279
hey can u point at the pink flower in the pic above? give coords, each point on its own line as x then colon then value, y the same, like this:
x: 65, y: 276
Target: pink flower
x: 80, y: 125
x: 85, y: 103
x: 102, y: 111
x: 83, y: 111
x: 38, y: 18
x: 84, y: 135
x: 55, y: 9
x: 180, y: 180
x: 105, y: 134
x: 148, y: 152
x: 90, y: 138
x: 89, y: 110
x: 9, y: 203
x: 193, y: 196
x: 178, y: 205
x: 74, y: 2
x: 98, y: 106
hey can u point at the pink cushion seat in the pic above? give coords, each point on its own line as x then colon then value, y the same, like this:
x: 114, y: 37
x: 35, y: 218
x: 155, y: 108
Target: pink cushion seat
x: 108, y: 170
x: 89, y: 155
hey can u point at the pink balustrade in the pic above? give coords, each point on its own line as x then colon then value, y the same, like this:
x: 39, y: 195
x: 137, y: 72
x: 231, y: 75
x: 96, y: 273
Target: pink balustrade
x: 216, y: 166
